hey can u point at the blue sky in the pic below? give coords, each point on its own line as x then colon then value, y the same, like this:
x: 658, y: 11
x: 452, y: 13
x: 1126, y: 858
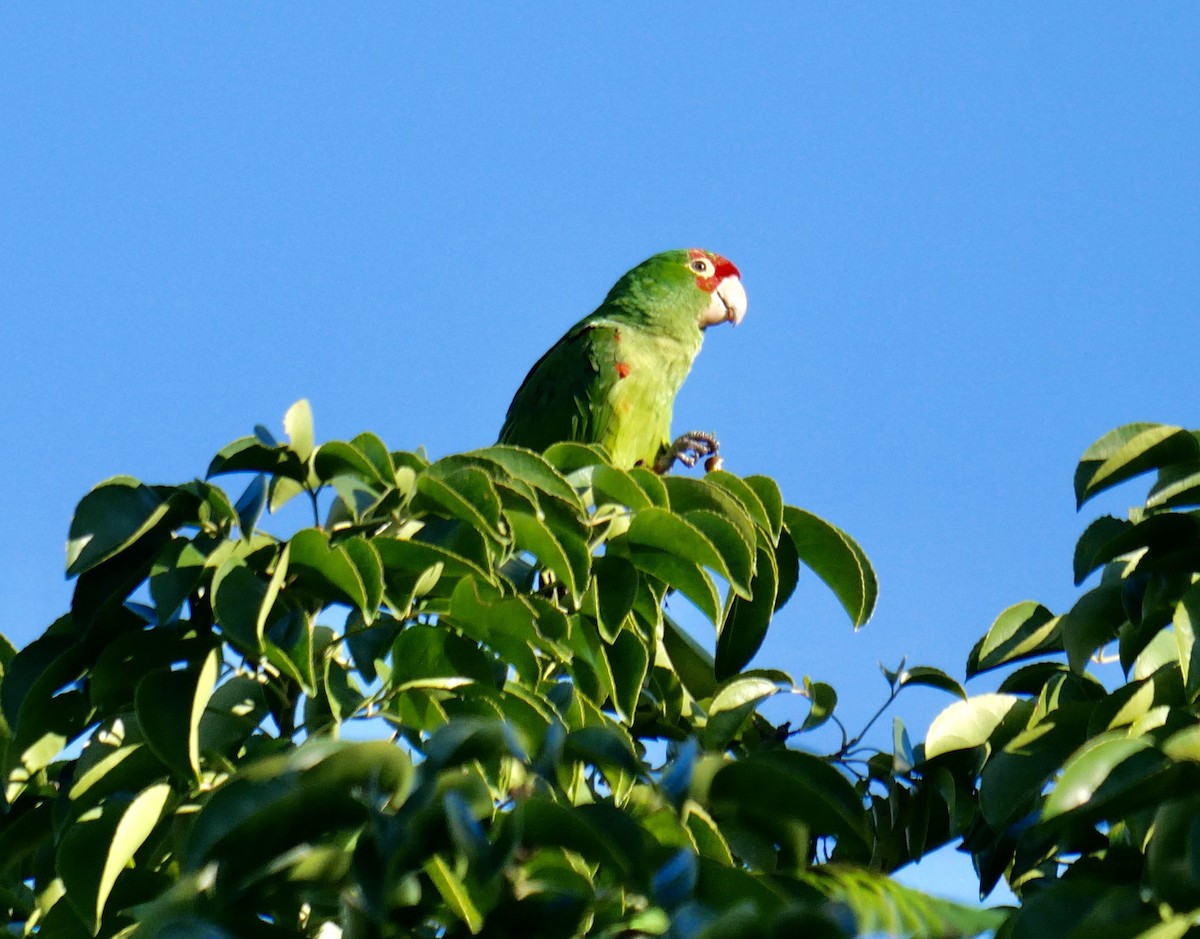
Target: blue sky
x: 969, y: 235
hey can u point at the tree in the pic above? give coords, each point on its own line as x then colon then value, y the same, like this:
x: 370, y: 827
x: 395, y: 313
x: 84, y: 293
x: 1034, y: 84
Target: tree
x: 1081, y: 786
x: 456, y: 706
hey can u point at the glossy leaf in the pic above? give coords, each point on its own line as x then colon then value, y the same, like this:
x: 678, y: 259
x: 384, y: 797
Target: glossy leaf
x: 746, y: 621
x: 97, y: 848
x: 932, y: 678
x: 732, y: 705
x: 109, y: 519
x: 1105, y: 768
x: 169, y: 705
x: 1025, y: 629
x: 834, y: 557
x: 1128, y: 451
x: 971, y: 723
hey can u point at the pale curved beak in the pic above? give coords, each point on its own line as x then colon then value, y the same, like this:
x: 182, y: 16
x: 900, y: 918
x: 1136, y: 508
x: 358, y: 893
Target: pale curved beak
x: 728, y: 304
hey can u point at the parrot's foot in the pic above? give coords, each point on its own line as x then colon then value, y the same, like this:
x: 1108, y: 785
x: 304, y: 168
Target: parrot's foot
x: 687, y: 449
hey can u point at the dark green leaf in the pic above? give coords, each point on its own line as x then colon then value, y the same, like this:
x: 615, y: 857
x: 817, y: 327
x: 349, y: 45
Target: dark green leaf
x: 628, y: 660
x: 1092, y: 549
x: 746, y: 621
x: 1104, y: 771
x: 310, y: 552
x: 169, y: 705
x: 834, y: 557
x: 686, y: 577
x: 823, y: 700
x: 932, y: 678
x: 109, y: 519
x: 692, y: 662
x: 732, y: 705
x: 94, y: 851
x: 1128, y: 451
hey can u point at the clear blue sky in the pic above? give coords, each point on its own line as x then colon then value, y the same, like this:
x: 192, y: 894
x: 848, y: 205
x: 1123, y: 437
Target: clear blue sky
x: 969, y: 234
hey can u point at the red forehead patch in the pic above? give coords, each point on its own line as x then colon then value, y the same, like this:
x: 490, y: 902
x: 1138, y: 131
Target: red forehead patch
x: 723, y: 268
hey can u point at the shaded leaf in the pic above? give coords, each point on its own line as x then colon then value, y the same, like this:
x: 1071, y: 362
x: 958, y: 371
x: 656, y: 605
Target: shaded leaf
x: 109, y: 519
x: 1128, y: 451
x: 746, y: 620
x: 95, y: 850
x: 834, y: 556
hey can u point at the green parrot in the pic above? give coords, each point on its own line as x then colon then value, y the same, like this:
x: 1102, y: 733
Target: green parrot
x: 612, y: 379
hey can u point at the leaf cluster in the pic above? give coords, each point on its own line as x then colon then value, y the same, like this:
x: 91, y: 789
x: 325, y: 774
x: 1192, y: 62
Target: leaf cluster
x: 1082, y: 771
x: 453, y: 704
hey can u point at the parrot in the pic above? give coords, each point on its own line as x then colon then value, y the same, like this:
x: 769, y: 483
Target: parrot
x: 613, y: 377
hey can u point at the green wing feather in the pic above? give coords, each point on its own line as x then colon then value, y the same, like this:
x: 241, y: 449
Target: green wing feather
x: 575, y: 392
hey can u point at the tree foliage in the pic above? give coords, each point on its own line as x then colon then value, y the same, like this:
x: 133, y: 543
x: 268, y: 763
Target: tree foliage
x: 453, y: 701
x: 1082, y: 771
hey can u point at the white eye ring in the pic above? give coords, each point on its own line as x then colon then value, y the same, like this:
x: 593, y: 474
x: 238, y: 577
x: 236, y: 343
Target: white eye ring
x: 703, y: 266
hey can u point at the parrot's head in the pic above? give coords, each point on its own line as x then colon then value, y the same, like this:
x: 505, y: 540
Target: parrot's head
x: 689, y: 282
x: 722, y: 281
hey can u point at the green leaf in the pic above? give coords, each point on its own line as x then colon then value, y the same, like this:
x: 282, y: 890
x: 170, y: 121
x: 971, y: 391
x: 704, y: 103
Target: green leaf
x: 601, y: 833
x: 1128, y: 451
x: 466, y: 494
x: 746, y: 621
x: 298, y: 425
x: 109, y: 519
x: 775, y: 789
x: 603, y: 746
x: 837, y: 559
x: 692, y: 662
x: 628, y: 660
x: 310, y: 551
x: 882, y: 907
x: 1015, y: 776
x: 251, y: 455
x: 750, y: 501
x: 705, y: 835
x: 689, y: 495
x: 736, y: 551
x: 1094, y: 547
x: 931, y: 678
x: 454, y: 892
x: 689, y: 579
x: 732, y: 705
x: 561, y: 552
x: 1105, y: 770
x: 169, y: 706
x: 660, y: 529
x: 242, y: 601
x: 614, y: 583
x: 768, y: 493
x: 1091, y: 623
x: 1025, y: 629
x: 337, y: 458
x: 250, y: 506
x: 610, y: 484
x: 823, y: 699
x: 292, y: 798
x: 95, y: 850
x: 1186, y: 621
x: 1177, y: 486
x: 533, y: 469
x: 970, y: 723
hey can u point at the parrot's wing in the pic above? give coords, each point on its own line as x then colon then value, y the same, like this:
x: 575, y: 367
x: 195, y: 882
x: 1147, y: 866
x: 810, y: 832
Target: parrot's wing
x: 567, y: 395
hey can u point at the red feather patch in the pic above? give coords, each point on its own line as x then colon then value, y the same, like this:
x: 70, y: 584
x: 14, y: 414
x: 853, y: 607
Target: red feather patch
x: 623, y: 369
x: 723, y: 268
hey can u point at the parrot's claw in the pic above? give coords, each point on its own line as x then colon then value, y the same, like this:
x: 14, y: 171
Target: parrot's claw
x: 688, y: 449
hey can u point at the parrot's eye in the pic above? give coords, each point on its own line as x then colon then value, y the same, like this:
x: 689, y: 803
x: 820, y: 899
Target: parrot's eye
x: 703, y: 266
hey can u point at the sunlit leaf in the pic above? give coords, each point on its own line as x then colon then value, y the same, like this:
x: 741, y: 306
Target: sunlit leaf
x: 1129, y: 450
